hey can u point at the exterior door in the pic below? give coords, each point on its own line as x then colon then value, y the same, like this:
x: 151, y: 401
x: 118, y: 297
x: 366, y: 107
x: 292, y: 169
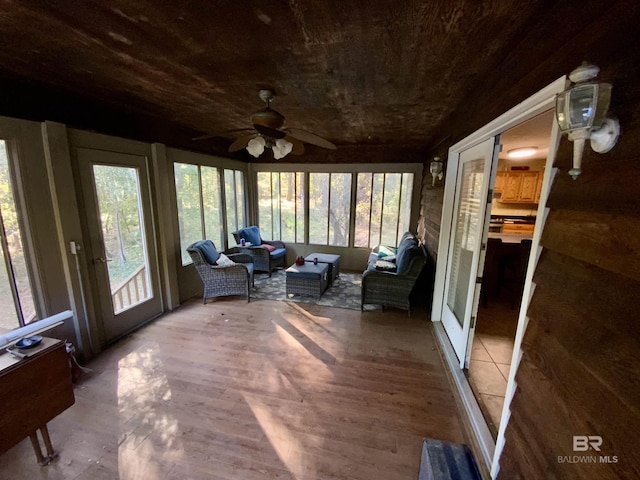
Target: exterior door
x: 118, y: 209
x: 465, y: 255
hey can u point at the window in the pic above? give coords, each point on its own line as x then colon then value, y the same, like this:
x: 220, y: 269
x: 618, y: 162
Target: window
x: 329, y: 208
x: 373, y: 207
x: 199, y: 213
x: 281, y: 206
x: 383, y: 208
x: 16, y: 295
x: 234, y: 198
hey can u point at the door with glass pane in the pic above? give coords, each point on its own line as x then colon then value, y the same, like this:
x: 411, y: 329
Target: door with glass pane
x: 464, y: 252
x: 118, y: 209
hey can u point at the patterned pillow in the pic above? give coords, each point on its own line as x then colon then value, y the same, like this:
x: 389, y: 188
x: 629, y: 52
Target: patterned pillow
x: 271, y: 248
x: 385, y: 266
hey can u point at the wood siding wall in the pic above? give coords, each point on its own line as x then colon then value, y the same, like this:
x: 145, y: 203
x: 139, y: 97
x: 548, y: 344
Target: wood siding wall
x: 579, y: 373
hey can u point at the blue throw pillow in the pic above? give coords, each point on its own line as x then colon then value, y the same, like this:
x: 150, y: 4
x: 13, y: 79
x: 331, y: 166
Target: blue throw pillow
x: 208, y: 250
x: 251, y: 235
x: 403, y: 258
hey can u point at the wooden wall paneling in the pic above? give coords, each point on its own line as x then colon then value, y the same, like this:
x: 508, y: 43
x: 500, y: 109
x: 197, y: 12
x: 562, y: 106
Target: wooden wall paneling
x: 594, y: 315
x: 584, y: 317
x: 609, y: 241
x: 430, y: 213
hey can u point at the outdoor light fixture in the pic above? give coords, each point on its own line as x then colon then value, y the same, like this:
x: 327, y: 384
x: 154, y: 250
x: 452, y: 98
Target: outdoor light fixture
x: 281, y: 147
x: 522, y: 152
x: 435, y: 167
x: 581, y: 112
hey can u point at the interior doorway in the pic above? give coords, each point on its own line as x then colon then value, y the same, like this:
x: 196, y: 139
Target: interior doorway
x: 515, y: 195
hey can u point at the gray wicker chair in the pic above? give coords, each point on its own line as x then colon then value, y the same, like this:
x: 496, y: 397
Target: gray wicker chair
x: 393, y: 289
x: 263, y: 259
x: 221, y: 280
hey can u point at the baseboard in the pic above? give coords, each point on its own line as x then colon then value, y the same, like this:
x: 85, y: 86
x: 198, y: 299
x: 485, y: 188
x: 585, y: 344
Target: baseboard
x: 481, y: 442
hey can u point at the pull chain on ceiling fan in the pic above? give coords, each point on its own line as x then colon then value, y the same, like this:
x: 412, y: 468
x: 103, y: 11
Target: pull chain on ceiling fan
x: 267, y: 132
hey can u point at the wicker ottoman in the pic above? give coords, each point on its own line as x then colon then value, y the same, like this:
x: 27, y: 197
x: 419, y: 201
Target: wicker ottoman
x: 307, y: 279
x: 332, y: 260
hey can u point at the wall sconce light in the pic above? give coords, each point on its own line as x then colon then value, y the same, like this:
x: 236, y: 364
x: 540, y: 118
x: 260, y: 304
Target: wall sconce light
x: 581, y: 112
x: 435, y: 167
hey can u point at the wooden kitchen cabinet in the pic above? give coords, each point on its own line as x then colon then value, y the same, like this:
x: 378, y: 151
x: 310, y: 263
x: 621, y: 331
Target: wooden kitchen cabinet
x: 511, y: 189
x: 501, y: 177
x: 519, y: 187
x: 528, y: 186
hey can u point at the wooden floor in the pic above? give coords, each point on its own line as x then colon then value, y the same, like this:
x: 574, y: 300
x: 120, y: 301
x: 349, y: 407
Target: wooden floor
x: 269, y: 389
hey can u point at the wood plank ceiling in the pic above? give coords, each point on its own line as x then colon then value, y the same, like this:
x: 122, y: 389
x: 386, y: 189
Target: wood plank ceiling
x: 356, y: 73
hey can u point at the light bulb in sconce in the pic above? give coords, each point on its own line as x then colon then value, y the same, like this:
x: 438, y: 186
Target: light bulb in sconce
x: 435, y: 167
x: 581, y: 113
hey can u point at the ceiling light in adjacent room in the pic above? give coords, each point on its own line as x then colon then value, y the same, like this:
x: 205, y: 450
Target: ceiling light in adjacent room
x: 522, y: 152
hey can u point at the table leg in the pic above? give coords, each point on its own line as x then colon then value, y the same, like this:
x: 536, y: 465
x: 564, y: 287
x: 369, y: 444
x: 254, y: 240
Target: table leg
x: 35, y: 443
x: 47, y: 442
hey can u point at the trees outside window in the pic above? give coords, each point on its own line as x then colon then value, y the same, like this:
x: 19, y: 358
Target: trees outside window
x: 383, y: 208
x: 17, y: 307
x: 281, y: 206
x: 380, y: 214
x: 199, y: 212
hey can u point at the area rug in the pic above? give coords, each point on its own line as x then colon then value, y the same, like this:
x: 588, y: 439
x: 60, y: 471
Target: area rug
x: 344, y: 293
x: 447, y: 461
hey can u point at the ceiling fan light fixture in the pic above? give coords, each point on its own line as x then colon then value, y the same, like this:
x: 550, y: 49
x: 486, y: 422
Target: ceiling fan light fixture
x: 281, y: 148
x: 524, y: 152
x: 256, y: 146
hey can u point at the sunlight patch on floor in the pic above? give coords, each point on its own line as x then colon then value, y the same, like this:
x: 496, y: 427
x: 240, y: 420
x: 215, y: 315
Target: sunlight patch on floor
x: 281, y: 438
x: 143, y: 394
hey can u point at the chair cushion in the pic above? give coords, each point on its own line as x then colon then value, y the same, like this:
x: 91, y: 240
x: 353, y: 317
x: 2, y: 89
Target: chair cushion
x: 278, y: 252
x: 208, y: 250
x: 251, y: 235
x: 403, y: 257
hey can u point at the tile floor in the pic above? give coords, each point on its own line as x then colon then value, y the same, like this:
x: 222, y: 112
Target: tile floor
x: 491, y: 359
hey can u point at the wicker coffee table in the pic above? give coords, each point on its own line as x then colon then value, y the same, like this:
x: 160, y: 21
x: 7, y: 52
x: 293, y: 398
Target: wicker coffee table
x: 332, y: 260
x: 307, y: 279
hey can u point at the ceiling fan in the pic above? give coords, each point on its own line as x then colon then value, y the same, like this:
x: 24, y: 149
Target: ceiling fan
x: 267, y: 132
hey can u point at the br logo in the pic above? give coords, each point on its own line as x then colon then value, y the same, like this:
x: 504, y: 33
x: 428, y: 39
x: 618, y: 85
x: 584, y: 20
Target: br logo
x: 582, y: 443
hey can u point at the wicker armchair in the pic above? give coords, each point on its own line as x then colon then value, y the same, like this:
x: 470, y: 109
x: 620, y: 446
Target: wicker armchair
x: 264, y: 259
x: 220, y: 280
x: 393, y: 289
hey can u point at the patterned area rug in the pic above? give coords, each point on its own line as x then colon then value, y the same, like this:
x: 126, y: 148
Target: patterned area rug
x: 344, y: 293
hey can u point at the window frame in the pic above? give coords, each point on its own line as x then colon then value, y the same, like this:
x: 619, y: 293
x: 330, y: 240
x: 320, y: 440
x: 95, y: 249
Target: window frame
x: 415, y: 168
x: 13, y: 154
x: 221, y: 168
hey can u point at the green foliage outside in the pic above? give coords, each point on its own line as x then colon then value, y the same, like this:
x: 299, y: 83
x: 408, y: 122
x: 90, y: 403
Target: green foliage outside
x: 121, y: 220
x: 11, y: 246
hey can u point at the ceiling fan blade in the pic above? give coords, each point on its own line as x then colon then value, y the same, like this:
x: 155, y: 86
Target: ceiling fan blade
x: 298, y: 146
x: 309, y: 137
x: 221, y: 134
x: 269, y: 132
x: 241, y: 142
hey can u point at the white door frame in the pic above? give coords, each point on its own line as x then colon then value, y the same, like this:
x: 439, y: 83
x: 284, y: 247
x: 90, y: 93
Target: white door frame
x: 539, y: 102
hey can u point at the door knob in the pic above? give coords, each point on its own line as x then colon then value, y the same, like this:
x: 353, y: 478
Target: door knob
x: 101, y: 260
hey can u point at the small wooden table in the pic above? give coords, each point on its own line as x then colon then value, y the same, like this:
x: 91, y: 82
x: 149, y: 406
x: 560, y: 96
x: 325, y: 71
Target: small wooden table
x: 33, y: 391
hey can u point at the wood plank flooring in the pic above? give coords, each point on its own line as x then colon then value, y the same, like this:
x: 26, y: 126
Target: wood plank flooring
x: 269, y: 389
